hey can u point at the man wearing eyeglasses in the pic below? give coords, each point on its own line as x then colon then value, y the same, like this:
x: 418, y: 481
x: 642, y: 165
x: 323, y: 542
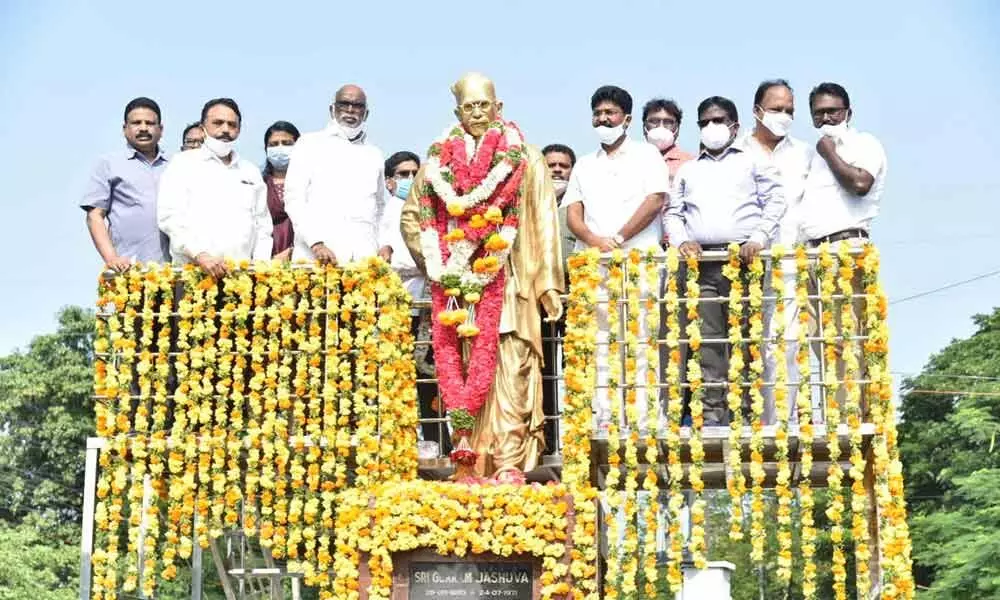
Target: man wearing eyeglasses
x: 723, y: 196
x: 846, y: 176
x: 335, y: 189
x: 842, y: 193
x: 193, y: 137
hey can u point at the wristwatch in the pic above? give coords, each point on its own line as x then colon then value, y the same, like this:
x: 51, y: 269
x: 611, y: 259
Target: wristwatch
x: 618, y: 239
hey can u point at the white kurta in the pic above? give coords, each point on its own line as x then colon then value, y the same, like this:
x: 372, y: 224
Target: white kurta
x: 205, y: 205
x: 335, y: 194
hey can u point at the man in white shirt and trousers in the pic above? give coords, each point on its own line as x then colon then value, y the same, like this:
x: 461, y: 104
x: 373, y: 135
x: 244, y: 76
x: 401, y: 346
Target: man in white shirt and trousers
x: 613, y: 200
x: 842, y: 193
x: 212, y: 202
x: 769, y: 140
x: 335, y: 187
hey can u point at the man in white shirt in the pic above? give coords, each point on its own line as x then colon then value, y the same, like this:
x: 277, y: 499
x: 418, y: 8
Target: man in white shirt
x: 843, y: 188
x: 769, y: 140
x: 335, y: 187
x: 725, y: 195
x: 613, y: 200
x: 212, y: 203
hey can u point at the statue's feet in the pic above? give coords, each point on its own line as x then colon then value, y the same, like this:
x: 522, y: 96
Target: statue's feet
x: 511, y: 475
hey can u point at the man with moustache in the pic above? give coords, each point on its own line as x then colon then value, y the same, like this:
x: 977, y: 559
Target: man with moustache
x: 842, y: 194
x: 335, y: 189
x: 614, y: 200
x: 213, y: 202
x: 120, y: 198
x: 560, y: 159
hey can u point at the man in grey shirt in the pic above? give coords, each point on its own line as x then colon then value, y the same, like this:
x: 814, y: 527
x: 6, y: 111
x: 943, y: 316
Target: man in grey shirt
x: 120, y: 198
x: 725, y: 195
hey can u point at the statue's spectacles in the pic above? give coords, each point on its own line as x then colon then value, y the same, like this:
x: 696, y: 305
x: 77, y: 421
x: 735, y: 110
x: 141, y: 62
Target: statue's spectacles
x: 470, y: 107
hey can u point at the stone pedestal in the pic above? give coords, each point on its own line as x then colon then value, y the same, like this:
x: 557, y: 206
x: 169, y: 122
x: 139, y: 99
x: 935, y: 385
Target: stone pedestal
x: 424, y: 574
x: 710, y: 583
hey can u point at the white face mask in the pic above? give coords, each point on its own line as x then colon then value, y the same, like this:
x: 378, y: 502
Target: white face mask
x: 351, y: 133
x: 220, y: 148
x: 279, y: 156
x: 778, y: 123
x: 559, y: 185
x: 661, y: 137
x: 609, y: 135
x: 837, y: 131
x: 715, y: 136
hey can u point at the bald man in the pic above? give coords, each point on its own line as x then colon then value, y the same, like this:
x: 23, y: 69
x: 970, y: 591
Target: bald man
x: 335, y: 188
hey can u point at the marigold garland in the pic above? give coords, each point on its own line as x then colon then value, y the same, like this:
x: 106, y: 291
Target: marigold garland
x: 852, y: 373
x: 675, y: 470
x: 630, y: 541
x: 219, y: 453
x: 736, y: 482
x: 696, y: 543
x: 460, y: 520
x: 580, y: 374
x: 894, y: 539
x: 835, y: 473
x: 614, y: 497
x: 783, y: 482
x: 804, y: 406
x: 755, y: 295
x: 650, y: 482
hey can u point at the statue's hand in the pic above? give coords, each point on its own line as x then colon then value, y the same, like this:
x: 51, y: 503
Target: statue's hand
x: 553, y: 306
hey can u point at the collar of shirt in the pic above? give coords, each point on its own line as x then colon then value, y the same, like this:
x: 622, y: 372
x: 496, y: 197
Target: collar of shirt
x: 131, y: 152
x: 748, y: 142
x: 731, y: 149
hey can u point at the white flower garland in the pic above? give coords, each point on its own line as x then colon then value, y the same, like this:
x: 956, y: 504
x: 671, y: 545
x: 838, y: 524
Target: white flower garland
x: 459, y: 261
x: 497, y: 175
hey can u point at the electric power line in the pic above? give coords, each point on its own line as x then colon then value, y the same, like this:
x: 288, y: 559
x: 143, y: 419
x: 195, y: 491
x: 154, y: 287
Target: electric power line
x: 945, y: 287
x: 954, y: 393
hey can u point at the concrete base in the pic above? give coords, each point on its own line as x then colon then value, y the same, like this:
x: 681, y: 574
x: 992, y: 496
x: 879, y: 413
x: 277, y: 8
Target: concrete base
x: 710, y: 583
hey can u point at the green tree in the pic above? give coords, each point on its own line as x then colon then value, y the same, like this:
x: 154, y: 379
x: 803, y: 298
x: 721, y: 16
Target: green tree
x: 951, y: 458
x: 46, y: 414
x: 38, y: 561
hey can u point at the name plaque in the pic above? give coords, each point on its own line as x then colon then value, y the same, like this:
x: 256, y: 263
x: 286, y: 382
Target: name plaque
x: 471, y: 580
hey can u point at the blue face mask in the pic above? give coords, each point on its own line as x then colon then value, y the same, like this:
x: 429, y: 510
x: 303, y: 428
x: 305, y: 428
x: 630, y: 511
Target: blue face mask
x: 403, y: 187
x: 278, y: 156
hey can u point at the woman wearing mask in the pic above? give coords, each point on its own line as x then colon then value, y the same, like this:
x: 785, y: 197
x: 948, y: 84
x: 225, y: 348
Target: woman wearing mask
x: 278, y: 141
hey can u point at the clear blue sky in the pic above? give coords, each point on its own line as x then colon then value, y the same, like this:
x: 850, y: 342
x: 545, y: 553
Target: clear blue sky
x: 924, y: 77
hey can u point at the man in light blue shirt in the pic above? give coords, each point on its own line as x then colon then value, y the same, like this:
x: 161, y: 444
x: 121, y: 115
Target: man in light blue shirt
x: 120, y: 197
x: 725, y: 195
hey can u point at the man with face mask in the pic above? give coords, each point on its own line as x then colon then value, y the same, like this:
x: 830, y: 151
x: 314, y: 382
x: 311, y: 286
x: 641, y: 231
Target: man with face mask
x: 400, y: 169
x: 335, y: 190
x: 661, y: 124
x: 560, y: 160
x: 846, y: 175
x: 212, y: 201
x: 614, y: 200
x: 842, y: 192
x: 120, y: 198
x: 769, y: 140
x: 723, y: 196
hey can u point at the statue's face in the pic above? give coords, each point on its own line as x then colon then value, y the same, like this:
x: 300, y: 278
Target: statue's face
x: 477, y: 108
